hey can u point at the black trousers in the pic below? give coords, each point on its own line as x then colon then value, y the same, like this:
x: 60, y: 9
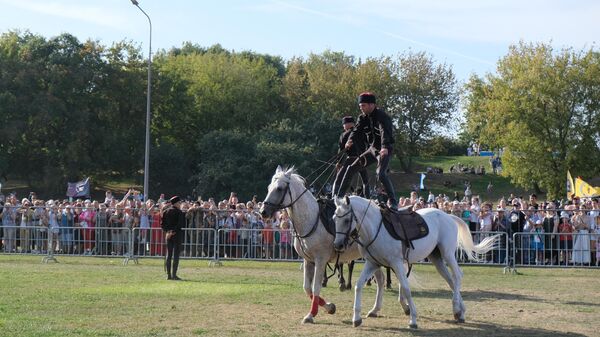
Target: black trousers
x: 172, y: 258
x: 368, y: 158
x: 364, y: 176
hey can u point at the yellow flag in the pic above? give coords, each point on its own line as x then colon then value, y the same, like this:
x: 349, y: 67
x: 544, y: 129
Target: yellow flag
x: 570, y: 186
x: 585, y: 190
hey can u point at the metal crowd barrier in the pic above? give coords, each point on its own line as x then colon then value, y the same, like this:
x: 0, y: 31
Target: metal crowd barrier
x: 256, y: 244
x: 555, y: 249
x: 67, y: 241
x: 271, y: 244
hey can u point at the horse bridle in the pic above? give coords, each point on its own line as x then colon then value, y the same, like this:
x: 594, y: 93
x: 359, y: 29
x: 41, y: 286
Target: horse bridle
x: 353, y: 234
x: 293, y: 201
x: 350, y: 233
x: 289, y: 192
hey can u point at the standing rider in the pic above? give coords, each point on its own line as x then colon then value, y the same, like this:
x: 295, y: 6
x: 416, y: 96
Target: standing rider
x: 376, y: 126
x: 352, y: 152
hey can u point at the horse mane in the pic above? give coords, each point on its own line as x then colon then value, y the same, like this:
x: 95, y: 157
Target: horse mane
x: 291, y: 173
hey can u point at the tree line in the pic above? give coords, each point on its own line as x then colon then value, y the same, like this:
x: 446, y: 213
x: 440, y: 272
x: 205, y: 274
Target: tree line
x: 223, y: 120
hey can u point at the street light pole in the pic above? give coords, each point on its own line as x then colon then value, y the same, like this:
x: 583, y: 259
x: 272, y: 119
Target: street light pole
x: 147, y: 151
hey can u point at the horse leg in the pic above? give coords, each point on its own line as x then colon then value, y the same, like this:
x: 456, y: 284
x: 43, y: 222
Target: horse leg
x: 388, y: 281
x: 340, y: 275
x: 368, y: 270
x: 404, y: 288
x: 458, y: 306
x: 309, y: 271
x: 350, y: 269
x: 316, y: 300
x: 324, y: 283
x: 379, y: 296
x: 402, y: 300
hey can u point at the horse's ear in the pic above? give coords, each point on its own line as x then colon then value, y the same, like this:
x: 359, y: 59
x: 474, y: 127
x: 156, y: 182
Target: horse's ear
x: 347, y: 199
x: 337, y: 201
x: 278, y: 169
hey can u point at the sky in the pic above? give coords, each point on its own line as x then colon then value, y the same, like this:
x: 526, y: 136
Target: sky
x: 469, y: 35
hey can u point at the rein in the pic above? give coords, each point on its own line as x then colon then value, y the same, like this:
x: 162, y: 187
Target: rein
x: 355, y: 238
x: 354, y: 233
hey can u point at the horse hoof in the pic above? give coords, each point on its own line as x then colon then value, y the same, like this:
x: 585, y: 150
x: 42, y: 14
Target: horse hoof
x: 330, y: 308
x: 407, y: 311
x: 372, y: 314
x: 357, y: 323
x: 460, y: 320
x: 308, y: 320
x: 342, y: 287
x: 413, y: 326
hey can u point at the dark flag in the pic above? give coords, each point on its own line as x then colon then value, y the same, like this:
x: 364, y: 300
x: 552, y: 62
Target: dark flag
x: 79, y: 189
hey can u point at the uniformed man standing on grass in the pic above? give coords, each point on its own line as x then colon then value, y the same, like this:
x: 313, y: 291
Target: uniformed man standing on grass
x: 173, y: 222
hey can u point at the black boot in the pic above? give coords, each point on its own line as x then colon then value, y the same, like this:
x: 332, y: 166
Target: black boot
x: 168, y: 268
x: 175, y: 267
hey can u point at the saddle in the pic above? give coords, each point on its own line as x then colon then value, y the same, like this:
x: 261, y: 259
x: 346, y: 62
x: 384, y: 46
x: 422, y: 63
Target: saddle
x: 326, y: 211
x: 404, y: 224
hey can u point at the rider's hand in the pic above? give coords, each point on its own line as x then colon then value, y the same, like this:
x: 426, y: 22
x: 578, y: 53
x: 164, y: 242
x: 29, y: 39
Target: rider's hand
x: 383, y: 152
x: 349, y: 144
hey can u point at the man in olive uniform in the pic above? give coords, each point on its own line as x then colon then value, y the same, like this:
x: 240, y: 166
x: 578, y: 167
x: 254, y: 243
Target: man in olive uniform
x: 376, y: 126
x: 173, y: 222
x: 352, y: 152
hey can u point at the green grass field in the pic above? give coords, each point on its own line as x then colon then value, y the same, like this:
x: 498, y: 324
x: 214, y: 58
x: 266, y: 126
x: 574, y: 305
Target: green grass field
x: 101, y: 297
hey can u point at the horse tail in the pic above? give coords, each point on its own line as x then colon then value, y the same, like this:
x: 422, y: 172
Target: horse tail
x: 465, y: 241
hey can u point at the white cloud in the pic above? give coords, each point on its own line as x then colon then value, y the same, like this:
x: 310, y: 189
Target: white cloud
x: 71, y: 10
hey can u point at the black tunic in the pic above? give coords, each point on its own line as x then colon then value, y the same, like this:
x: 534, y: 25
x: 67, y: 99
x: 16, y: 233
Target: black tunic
x: 358, y: 143
x: 376, y: 127
x: 173, y: 219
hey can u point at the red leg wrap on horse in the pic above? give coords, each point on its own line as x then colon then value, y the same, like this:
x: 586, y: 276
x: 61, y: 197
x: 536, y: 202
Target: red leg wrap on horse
x: 314, y: 308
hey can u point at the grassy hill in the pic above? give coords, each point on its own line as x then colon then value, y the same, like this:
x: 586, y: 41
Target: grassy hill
x: 445, y: 183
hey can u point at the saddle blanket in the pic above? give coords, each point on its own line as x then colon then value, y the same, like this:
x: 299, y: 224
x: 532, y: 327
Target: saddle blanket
x: 404, y: 224
x: 326, y: 211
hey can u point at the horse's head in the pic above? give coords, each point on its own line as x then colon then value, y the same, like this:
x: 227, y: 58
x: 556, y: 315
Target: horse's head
x: 343, y: 218
x: 278, y: 193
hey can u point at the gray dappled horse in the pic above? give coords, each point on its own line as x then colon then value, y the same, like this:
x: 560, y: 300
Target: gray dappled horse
x: 311, y: 240
x: 360, y: 220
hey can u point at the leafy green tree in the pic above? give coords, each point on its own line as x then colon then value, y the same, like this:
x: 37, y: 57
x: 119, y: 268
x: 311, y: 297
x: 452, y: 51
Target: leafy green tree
x: 542, y: 108
x: 62, y: 103
x: 424, y: 100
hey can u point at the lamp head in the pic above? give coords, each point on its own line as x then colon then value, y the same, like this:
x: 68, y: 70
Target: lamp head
x: 135, y: 2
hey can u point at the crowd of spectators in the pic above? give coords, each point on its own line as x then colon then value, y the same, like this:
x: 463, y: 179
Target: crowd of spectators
x: 91, y: 227
x: 559, y: 233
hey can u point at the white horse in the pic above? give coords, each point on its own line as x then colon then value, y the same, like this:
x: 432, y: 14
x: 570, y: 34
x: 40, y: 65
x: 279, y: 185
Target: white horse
x: 358, y: 219
x: 311, y: 240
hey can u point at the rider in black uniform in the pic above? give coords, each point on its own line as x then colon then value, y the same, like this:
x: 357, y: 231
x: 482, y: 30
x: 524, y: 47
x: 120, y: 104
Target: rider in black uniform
x: 376, y: 126
x: 352, y: 153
